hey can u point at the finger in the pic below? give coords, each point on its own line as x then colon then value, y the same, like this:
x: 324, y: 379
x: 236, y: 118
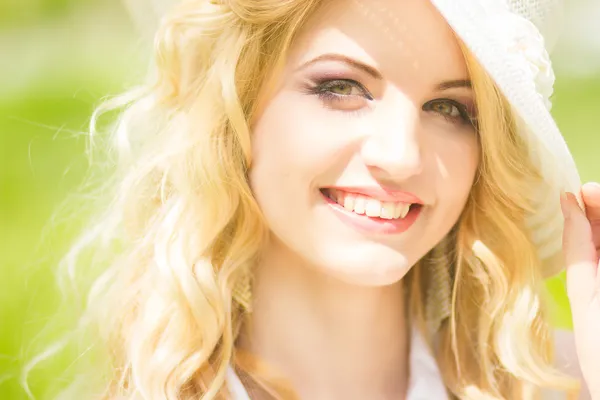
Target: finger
x: 580, y: 253
x: 590, y: 193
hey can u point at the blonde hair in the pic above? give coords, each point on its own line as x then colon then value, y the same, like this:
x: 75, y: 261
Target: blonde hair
x: 183, y: 231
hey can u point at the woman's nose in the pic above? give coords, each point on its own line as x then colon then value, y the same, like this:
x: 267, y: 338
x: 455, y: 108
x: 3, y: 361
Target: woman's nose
x: 393, y: 149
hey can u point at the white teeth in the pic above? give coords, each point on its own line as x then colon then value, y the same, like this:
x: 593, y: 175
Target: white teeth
x: 403, y: 209
x: 359, y: 204
x: 387, y: 210
x: 348, y: 201
x: 398, y: 207
x: 372, y: 208
x: 368, y: 206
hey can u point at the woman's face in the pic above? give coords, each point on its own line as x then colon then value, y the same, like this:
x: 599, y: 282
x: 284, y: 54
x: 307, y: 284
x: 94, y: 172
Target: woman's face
x: 365, y: 153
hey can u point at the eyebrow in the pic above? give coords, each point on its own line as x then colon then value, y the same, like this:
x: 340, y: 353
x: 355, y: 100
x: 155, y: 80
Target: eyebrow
x: 459, y: 83
x: 347, y: 60
x: 452, y: 84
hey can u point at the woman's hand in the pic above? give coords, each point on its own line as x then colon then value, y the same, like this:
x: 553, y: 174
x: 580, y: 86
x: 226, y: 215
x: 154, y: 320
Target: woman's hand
x: 581, y: 245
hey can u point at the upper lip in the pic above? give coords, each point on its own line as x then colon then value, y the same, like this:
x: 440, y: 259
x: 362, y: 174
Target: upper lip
x: 381, y: 194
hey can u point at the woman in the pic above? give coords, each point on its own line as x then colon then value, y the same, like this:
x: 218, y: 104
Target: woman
x: 344, y: 200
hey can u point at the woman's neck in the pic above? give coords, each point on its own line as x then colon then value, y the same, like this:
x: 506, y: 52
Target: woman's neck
x: 330, y: 339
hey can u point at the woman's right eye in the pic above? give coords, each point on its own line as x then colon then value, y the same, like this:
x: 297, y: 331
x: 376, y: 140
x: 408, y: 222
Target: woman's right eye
x: 341, y: 91
x: 341, y: 88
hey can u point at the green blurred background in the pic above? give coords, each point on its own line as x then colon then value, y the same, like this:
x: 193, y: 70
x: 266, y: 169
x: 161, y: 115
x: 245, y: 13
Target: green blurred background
x: 58, y: 59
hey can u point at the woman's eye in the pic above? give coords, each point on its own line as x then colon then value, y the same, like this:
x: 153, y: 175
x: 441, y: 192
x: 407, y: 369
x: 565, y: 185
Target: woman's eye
x: 446, y: 108
x: 341, y: 90
x: 451, y: 110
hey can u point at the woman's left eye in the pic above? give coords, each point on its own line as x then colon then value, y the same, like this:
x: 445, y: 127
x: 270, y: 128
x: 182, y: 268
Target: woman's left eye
x: 450, y: 109
x: 446, y: 108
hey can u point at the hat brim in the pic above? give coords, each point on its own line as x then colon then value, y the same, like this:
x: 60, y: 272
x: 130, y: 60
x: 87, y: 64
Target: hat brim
x: 485, y: 28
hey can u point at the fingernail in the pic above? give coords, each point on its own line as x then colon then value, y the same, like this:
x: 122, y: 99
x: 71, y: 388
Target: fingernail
x: 564, y: 204
x: 595, y: 184
x: 589, y: 191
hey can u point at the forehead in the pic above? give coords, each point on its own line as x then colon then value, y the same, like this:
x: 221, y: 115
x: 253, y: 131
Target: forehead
x: 407, y: 40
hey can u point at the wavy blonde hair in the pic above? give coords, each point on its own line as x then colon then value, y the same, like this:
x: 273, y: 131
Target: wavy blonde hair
x: 183, y: 231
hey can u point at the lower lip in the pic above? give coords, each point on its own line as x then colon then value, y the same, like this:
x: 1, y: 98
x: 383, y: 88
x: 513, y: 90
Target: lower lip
x: 374, y: 224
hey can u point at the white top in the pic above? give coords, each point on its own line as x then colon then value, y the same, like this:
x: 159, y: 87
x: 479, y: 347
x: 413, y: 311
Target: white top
x: 425, y: 381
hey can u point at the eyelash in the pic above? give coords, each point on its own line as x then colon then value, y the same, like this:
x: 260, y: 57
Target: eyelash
x: 464, y: 116
x: 323, y: 91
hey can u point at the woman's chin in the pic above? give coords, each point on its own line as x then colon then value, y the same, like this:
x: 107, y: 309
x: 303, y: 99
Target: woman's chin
x: 368, y: 272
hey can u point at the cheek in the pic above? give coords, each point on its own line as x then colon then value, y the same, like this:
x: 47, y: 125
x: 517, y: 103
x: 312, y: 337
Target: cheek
x: 288, y: 153
x: 295, y: 141
x: 278, y: 147
x: 457, y: 161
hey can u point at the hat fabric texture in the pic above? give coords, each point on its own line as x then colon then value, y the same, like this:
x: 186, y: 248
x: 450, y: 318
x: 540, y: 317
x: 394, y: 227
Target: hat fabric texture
x: 504, y: 37
x: 508, y: 38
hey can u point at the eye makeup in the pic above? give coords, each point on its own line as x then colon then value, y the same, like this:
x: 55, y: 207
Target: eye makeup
x: 453, y: 111
x: 340, y: 85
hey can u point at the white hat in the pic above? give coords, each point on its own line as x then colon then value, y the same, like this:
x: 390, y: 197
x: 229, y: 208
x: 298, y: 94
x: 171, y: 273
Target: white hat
x: 509, y: 38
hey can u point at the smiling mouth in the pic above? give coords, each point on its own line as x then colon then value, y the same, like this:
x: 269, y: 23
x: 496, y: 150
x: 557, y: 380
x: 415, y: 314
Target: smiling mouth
x: 367, y: 206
